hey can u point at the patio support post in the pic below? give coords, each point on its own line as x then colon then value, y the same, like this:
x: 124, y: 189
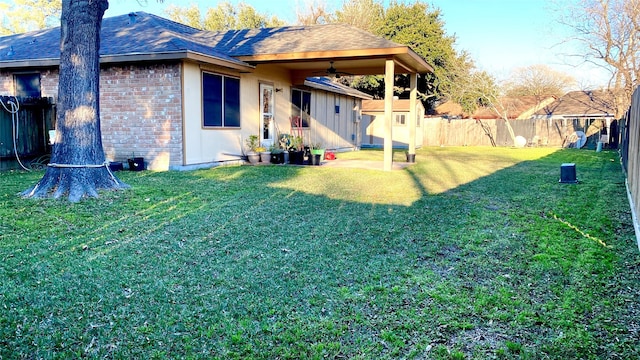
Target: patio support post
x: 413, y: 96
x: 388, y: 114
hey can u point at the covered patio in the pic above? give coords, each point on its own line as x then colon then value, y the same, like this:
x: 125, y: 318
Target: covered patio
x: 332, y: 50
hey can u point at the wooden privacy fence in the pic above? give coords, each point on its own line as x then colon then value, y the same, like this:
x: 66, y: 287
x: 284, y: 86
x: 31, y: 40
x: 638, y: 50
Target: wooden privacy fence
x: 538, y: 132
x: 29, y: 128
x: 630, y: 153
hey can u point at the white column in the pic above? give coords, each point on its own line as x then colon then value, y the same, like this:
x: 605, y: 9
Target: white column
x: 388, y: 115
x: 413, y: 96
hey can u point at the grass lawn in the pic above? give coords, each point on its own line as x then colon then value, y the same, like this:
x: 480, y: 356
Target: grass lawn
x: 472, y: 253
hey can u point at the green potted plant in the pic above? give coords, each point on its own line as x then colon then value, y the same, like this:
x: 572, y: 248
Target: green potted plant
x: 296, y: 151
x: 252, y: 146
x: 316, y: 153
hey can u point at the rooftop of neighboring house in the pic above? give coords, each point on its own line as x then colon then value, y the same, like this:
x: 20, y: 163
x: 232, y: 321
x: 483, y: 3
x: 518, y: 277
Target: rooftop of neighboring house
x: 520, y: 107
x: 581, y: 103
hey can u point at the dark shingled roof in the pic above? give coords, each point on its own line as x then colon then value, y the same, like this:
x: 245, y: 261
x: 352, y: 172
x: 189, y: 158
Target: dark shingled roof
x: 144, y: 37
x: 515, y: 107
x: 134, y: 34
x: 293, y: 39
x: 581, y: 104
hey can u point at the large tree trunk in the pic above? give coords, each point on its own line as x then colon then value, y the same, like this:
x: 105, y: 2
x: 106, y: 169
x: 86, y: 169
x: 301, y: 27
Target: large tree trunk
x: 78, y: 166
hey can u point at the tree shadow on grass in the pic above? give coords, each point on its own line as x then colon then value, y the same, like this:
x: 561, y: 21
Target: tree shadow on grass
x: 275, y: 261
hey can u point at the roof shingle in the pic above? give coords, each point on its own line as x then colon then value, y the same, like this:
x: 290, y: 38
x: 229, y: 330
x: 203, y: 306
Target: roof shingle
x: 133, y: 34
x: 290, y: 39
x: 581, y: 103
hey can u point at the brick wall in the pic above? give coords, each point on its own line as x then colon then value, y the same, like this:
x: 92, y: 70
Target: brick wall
x: 140, y: 111
x: 6, y: 83
x: 48, y: 82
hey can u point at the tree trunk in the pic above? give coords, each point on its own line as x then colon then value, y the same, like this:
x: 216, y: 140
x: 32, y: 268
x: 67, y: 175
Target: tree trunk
x: 78, y: 166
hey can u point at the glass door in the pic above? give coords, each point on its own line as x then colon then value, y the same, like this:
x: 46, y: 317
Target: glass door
x: 267, y: 126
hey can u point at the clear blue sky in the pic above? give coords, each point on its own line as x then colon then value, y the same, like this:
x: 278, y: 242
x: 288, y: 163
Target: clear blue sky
x: 500, y: 35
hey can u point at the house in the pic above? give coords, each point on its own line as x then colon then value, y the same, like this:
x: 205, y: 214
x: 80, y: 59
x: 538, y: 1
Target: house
x: 372, y: 125
x: 583, y: 118
x: 185, y: 98
x: 513, y: 107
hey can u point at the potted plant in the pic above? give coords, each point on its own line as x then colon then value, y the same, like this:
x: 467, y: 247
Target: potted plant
x: 296, y: 152
x: 284, y: 140
x: 316, y: 154
x: 265, y: 155
x: 277, y: 154
x: 252, y: 145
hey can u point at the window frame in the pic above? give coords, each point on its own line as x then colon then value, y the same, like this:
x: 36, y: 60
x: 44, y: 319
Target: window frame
x: 267, y: 110
x: 228, y: 108
x: 306, y: 120
x: 402, y: 122
x: 18, y: 78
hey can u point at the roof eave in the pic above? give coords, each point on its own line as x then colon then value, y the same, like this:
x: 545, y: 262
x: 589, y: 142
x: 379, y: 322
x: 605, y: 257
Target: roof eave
x: 409, y: 59
x: 178, y: 55
x: 319, y: 86
x: 422, y: 66
x: 322, y: 54
x: 135, y: 57
x: 29, y: 63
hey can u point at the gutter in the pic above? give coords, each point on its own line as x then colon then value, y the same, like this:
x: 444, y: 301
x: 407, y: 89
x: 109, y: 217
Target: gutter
x: 134, y: 57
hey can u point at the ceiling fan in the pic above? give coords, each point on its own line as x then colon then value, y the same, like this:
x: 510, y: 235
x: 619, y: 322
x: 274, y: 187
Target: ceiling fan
x: 332, y: 72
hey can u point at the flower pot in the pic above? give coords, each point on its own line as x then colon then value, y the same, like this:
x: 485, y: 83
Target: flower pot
x: 318, y: 152
x: 253, y: 157
x: 411, y: 158
x: 314, y: 159
x: 296, y: 157
x: 277, y: 158
x: 285, y: 157
x: 136, y: 164
x: 265, y: 157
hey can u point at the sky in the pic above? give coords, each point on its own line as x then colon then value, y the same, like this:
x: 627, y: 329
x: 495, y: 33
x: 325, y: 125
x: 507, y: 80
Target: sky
x: 500, y: 35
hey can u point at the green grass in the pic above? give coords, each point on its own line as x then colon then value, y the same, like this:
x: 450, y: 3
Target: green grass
x: 472, y: 253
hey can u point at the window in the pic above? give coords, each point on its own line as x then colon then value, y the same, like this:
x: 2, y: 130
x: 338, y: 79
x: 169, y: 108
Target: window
x: 27, y: 85
x: 220, y: 100
x: 266, y: 113
x: 400, y: 119
x: 300, y: 108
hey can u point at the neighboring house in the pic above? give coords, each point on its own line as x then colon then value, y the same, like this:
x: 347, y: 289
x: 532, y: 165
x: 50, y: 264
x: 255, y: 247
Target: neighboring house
x: 186, y: 98
x: 515, y: 108
x: 583, y: 118
x: 486, y: 126
x: 372, y: 124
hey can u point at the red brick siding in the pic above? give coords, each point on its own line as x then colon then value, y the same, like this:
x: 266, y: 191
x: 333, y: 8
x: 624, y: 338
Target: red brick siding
x: 48, y: 82
x: 141, y: 113
x: 6, y: 83
x: 140, y: 110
